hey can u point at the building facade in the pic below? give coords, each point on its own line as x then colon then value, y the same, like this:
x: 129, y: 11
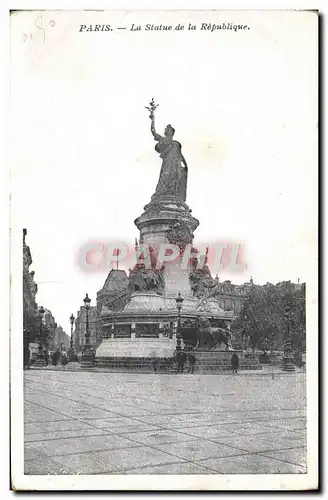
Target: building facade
x: 80, y: 328
x: 31, y: 320
x: 231, y: 296
x: 62, y: 340
x: 53, y: 335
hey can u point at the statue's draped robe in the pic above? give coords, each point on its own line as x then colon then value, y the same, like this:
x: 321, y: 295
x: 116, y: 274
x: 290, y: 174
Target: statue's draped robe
x: 173, y: 177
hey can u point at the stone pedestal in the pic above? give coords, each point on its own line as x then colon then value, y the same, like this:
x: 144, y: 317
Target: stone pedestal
x: 288, y: 363
x: 160, y: 215
x: 148, y: 308
x: 72, y: 356
x: 86, y: 360
x: 134, y: 353
x: 40, y: 360
x: 136, y: 348
x: 167, y: 220
x: 217, y: 361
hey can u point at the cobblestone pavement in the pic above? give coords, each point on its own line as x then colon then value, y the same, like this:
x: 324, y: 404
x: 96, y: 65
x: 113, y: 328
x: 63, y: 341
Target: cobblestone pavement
x: 125, y: 423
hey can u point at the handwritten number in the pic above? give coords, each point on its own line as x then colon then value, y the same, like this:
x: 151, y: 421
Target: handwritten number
x: 26, y: 36
x: 38, y: 25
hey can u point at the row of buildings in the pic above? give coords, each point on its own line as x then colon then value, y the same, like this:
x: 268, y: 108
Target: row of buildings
x: 33, y: 325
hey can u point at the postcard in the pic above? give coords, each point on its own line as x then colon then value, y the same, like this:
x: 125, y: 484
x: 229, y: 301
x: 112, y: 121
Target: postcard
x: 164, y: 197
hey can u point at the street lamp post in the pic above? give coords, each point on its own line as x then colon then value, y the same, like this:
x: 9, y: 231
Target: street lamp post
x: 54, y: 337
x: 287, y: 318
x: 40, y: 357
x: 86, y: 360
x: 288, y: 359
x: 245, y: 341
x: 72, y: 353
x: 179, y: 302
x: 245, y: 332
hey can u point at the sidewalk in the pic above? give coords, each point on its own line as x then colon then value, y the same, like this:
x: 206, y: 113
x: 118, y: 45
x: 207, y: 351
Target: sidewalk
x: 122, y: 423
x: 267, y: 370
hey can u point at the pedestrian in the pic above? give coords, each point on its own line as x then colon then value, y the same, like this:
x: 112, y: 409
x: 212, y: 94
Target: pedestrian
x: 46, y: 356
x: 181, y: 358
x: 27, y: 357
x: 191, y: 362
x: 57, y: 356
x: 54, y: 358
x: 234, y: 362
x: 154, y: 365
x: 164, y: 364
x: 93, y: 357
x: 64, y: 359
x: 169, y: 364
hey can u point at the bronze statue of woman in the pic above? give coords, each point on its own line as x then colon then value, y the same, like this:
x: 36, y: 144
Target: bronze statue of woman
x: 174, y: 172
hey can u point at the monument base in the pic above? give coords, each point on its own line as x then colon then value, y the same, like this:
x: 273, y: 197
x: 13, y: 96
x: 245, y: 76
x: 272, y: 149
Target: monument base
x: 135, y: 348
x: 86, y: 360
x: 141, y: 352
x: 217, y: 361
x: 40, y: 361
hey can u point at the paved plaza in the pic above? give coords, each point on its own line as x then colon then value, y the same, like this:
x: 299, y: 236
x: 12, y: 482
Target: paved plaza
x: 129, y: 423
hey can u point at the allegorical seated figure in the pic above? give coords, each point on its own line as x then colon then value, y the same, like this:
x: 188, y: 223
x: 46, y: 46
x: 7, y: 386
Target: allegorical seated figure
x: 174, y: 172
x: 142, y: 279
x: 201, y: 281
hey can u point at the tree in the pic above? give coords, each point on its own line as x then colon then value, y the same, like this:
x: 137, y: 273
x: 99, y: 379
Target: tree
x: 270, y: 314
x: 31, y: 325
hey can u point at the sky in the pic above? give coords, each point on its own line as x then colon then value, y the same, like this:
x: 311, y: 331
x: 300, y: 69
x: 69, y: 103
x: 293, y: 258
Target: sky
x: 83, y: 164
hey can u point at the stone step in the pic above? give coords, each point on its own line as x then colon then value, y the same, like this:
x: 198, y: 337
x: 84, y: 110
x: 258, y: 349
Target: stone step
x: 220, y: 368
x: 204, y: 360
x: 201, y: 366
